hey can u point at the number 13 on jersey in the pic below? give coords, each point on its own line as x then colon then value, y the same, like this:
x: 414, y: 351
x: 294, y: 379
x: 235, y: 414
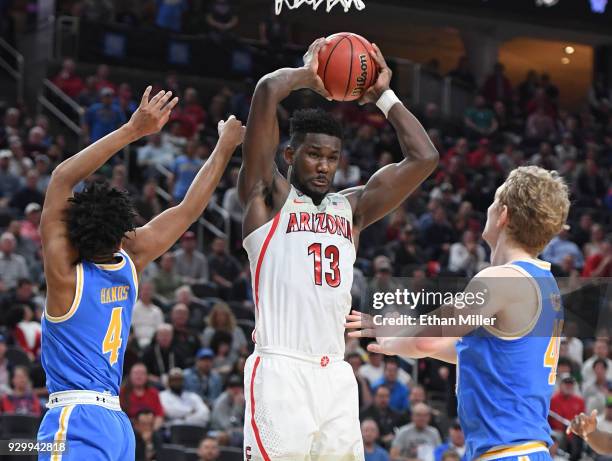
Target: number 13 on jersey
x: 112, y: 338
x: 332, y: 254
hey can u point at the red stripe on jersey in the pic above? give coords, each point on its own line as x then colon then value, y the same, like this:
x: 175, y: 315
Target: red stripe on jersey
x: 262, y: 254
x: 262, y: 450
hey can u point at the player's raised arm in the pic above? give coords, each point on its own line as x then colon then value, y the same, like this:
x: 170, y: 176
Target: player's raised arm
x: 262, y: 133
x: 59, y: 254
x: 391, y: 185
x: 152, y: 240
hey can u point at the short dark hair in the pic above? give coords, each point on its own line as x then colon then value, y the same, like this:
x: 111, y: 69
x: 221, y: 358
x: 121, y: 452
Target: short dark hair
x: 306, y: 121
x: 600, y: 361
x: 143, y: 411
x: 98, y: 218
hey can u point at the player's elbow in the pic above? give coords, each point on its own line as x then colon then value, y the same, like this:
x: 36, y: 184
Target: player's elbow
x: 427, y: 346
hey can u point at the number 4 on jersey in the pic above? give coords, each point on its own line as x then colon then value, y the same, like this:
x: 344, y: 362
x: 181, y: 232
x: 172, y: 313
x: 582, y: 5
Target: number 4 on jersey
x: 551, y: 356
x: 112, y: 338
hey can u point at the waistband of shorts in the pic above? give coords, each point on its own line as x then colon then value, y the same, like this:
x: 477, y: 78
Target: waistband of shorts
x: 317, y: 359
x: 63, y: 398
x: 505, y: 451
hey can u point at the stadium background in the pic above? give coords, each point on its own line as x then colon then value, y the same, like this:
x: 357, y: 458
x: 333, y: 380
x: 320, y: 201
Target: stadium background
x: 71, y: 71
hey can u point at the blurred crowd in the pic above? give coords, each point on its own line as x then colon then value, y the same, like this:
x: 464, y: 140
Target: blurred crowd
x: 191, y: 330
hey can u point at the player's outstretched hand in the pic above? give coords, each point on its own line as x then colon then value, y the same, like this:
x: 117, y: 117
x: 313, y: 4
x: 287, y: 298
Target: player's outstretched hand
x: 231, y: 132
x: 152, y: 115
x: 311, y: 64
x: 383, y: 81
x: 582, y: 425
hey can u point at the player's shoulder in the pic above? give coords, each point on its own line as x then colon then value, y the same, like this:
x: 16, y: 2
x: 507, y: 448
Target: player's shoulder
x: 499, y: 271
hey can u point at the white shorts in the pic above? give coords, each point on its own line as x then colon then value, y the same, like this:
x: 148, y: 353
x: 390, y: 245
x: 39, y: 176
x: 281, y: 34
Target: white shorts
x: 300, y: 408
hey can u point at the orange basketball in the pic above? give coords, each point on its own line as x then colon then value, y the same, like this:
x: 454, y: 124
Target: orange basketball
x: 346, y: 66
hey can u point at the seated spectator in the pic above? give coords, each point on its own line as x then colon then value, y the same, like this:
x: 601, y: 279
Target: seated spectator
x: 566, y: 150
x: 497, y: 86
x: 181, y: 406
x: 102, y: 78
x: 600, y: 351
x: 9, y: 181
x: 540, y: 126
x: 160, y: 356
x: 208, y: 450
x: 228, y: 409
x: 102, y: 117
x: 137, y: 394
x: 466, y: 257
x: 545, y: 158
x: 224, y: 268
x: 417, y: 439
x: 185, y: 343
x: 31, y: 223
x: 5, y: 368
x: 386, y: 418
x: 198, y: 310
x: 189, y: 114
x: 405, y: 253
x: 21, y: 400
x: 374, y: 369
x: 600, y: 264
x: 26, y: 332
x: 148, y: 204
x: 28, y: 193
x: 479, y: 120
x: 166, y: 281
x: 184, y: 170
x: 372, y: 451
x: 455, y: 443
x: 191, y: 264
x: 35, y: 143
x: 483, y: 158
x: 202, y: 379
x: 125, y: 101
x: 67, y: 80
x: 170, y: 14
x: 221, y: 18
x: 148, y: 440
x: 399, y: 392
x: 567, y: 404
x: 153, y: 153
x: 347, y: 175
x: 595, y: 243
x: 559, y: 247
x: 222, y: 319
x: 42, y: 165
x: 146, y: 317
x: 595, y: 394
x: 89, y: 94
x: 12, y: 266
x: 541, y: 100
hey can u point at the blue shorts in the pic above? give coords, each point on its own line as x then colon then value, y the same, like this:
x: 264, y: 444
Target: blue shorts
x: 539, y: 456
x: 528, y: 451
x: 91, y: 433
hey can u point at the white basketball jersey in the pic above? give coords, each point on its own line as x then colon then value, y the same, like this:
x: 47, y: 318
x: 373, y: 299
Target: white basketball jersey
x: 302, y: 272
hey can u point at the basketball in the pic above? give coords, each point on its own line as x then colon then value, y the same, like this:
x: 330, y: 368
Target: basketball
x: 346, y: 66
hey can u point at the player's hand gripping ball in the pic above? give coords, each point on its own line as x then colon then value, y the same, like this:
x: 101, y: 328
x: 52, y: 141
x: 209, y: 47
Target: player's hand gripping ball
x: 346, y: 66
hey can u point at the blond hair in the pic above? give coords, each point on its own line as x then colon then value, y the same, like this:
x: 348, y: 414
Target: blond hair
x: 538, y: 204
x: 219, y: 311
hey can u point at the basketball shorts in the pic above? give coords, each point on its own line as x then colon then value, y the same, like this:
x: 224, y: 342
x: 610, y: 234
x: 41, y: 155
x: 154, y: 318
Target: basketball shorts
x: 300, y: 408
x: 529, y: 451
x: 91, y: 432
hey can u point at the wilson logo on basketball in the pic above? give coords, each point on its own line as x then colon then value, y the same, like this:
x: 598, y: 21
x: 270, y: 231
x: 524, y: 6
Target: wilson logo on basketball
x: 362, y: 78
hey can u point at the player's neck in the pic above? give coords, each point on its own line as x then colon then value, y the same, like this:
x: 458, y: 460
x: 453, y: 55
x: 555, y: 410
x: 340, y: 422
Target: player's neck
x: 505, y: 252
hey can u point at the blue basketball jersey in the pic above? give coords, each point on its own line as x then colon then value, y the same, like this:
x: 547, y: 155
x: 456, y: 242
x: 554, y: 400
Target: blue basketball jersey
x: 84, y: 349
x: 504, y: 385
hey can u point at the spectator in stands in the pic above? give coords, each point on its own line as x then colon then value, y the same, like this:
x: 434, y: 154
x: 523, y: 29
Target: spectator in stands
x: 224, y: 268
x: 374, y: 369
x: 182, y: 406
x: 369, y: 432
x: 208, y: 449
x: 479, y: 119
x: 5, y: 368
x: 347, y: 175
x: 42, y: 164
x: 221, y: 19
x: 545, y: 158
x: 567, y: 404
x: 566, y: 150
x: 222, y: 319
x: 560, y: 246
x: 9, y: 181
x: 228, y: 409
x: 20, y: 163
x: 159, y: 357
x: 600, y: 351
x: 148, y: 204
x: 26, y: 332
x: 89, y: 94
x: 191, y: 264
x: 29, y: 226
x: 137, y: 394
x: 153, y: 153
x: 463, y: 74
x: 185, y: 342
x: 595, y: 243
x: 28, y: 193
x: 184, y: 170
x: 102, y: 78
x: 417, y: 439
x: 456, y: 443
x: 202, y: 379
x: 399, y: 392
x: 527, y: 89
x: 102, y: 117
x: 198, y: 310
x: 540, y: 126
x: 170, y: 14
x: 466, y: 257
x: 166, y: 281
x: 12, y: 266
x: 190, y: 114
x: 147, y: 317
x: 590, y: 185
x: 541, y: 101
x: 67, y: 80
x: 405, y: 253
x: 148, y: 440
x: 386, y: 418
x: 21, y: 400
x: 600, y: 264
x: 364, y: 392
x: 497, y: 86
x: 595, y: 393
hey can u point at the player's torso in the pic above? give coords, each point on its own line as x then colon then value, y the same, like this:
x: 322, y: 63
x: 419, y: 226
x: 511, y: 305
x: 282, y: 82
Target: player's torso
x: 302, y: 273
x: 509, y: 382
x: 84, y: 349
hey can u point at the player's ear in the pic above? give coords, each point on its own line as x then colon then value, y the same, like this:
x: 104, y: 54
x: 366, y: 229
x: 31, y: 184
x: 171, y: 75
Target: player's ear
x: 502, y: 220
x: 289, y: 155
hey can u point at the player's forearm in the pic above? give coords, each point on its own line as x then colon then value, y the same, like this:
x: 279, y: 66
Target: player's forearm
x: 82, y: 165
x: 276, y: 86
x: 600, y: 441
x: 413, y: 138
x: 206, y: 181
